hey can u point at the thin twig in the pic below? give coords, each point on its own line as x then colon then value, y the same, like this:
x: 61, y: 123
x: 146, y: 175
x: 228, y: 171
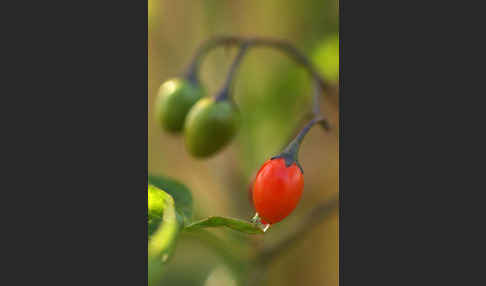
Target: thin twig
x: 280, y: 45
x: 291, y: 51
x: 202, y: 51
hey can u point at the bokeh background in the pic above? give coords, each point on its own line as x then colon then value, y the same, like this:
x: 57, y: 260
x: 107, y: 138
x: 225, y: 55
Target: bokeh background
x: 274, y: 96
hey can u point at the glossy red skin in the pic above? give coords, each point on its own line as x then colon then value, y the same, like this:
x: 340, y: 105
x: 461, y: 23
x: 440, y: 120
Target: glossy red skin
x: 277, y: 190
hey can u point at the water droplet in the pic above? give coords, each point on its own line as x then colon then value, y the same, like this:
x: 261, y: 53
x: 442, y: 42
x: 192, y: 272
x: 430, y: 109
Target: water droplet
x: 256, y: 220
x: 267, y: 226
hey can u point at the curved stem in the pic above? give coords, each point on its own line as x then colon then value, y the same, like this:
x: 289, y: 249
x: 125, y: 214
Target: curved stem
x: 192, y: 73
x: 246, y: 43
x: 295, y: 54
x: 280, y: 45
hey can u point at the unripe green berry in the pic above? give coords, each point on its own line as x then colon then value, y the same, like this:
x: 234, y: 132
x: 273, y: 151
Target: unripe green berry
x: 174, y: 100
x: 210, y: 126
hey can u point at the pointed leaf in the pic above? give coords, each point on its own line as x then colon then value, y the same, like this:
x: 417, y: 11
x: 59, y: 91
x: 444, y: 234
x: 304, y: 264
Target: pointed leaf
x: 217, y: 221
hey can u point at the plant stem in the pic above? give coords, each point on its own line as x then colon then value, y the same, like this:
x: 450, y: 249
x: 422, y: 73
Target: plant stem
x: 291, y: 152
x: 280, y: 45
x: 246, y: 43
x: 193, y: 71
x: 293, y: 53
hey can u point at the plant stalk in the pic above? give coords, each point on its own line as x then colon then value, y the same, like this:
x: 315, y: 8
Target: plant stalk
x: 277, y: 44
x: 291, y: 153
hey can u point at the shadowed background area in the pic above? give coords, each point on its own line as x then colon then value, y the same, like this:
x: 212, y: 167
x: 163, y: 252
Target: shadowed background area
x: 274, y: 95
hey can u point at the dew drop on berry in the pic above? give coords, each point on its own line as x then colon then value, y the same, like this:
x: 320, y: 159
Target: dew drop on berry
x: 260, y: 223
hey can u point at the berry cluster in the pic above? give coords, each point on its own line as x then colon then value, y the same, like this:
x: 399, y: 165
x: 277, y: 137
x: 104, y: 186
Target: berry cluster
x: 210, y: 123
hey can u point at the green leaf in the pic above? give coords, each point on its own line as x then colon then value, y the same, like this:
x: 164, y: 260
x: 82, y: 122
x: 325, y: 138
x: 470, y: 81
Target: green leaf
x: 161, y: 208
x: 217, y: 221
x: 180, y: 193
x: 326, y: 58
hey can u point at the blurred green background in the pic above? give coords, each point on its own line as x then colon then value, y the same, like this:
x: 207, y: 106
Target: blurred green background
x: 274, y: 95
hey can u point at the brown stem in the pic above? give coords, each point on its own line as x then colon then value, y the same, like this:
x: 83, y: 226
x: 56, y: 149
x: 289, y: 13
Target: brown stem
x: 280, y: 45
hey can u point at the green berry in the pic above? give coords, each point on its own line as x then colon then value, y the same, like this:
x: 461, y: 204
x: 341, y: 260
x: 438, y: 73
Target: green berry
x: 210, y: 126
x: 174, y: 100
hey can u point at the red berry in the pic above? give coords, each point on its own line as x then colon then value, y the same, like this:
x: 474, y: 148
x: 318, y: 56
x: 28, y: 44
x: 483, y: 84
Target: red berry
x: 277, y: 190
